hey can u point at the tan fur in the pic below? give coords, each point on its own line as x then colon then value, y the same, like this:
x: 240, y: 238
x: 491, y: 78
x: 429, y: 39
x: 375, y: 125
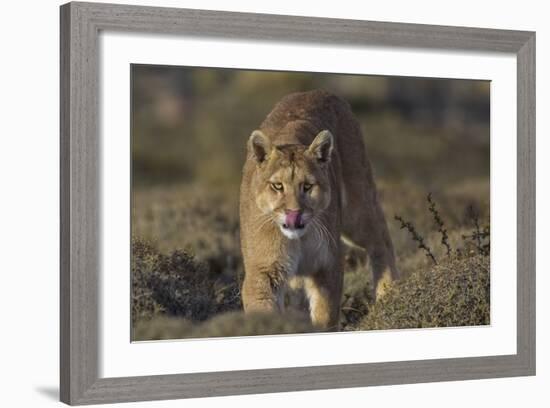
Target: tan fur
x: 309, y: 138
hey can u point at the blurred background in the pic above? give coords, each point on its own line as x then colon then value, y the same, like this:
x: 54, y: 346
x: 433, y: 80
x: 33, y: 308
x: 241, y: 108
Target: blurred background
x: 191, y: 124
x: 189, y: 133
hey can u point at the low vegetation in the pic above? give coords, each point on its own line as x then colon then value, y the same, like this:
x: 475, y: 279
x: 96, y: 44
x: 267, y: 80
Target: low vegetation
x: 178, y: 285
x: 186, y: 293
x: 224, y: 325
x: 452, y: 293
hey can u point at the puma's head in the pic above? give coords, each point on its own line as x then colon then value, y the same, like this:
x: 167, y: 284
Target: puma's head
x: 292, y: 183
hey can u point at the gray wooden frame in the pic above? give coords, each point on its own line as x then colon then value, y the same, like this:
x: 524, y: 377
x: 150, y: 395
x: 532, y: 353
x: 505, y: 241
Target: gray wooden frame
x: 80, y: 234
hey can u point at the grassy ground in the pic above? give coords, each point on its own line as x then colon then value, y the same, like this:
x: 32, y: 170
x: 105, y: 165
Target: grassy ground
x: 187, y: 269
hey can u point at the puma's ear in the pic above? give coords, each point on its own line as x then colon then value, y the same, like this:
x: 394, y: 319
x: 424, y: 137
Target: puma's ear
x: 259, y: 145
x: 321, y: 147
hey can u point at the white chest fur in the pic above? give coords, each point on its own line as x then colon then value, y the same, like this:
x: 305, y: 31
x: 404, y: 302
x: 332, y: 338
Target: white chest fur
x: 309, y: 254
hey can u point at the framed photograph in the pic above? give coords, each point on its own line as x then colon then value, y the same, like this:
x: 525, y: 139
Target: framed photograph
x: 261, y: 203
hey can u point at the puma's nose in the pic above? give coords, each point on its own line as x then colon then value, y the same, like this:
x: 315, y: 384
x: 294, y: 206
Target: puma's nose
x: 293, y: 219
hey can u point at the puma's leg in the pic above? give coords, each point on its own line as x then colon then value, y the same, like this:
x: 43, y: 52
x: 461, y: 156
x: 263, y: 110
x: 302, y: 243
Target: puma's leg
x: 371, y: 232
x: 382, y: 272
x: 324, y: 302
x: 263, y: 290
x: 381, y: 253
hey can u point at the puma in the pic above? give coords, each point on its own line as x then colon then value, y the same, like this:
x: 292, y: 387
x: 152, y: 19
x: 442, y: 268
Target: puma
x: 307, y: 185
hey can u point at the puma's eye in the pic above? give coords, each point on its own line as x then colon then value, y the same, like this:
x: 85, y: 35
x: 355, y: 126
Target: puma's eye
x: 277, y: 186
x: 307, y: 186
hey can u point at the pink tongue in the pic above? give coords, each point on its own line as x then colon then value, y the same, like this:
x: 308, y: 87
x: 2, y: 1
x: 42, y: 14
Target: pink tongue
x: 293, y: 219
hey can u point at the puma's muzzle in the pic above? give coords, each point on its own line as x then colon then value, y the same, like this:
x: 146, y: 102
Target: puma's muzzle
x: 293, y: 219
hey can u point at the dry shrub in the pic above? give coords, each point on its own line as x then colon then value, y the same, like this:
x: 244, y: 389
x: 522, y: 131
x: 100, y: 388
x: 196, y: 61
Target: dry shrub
x: 453, y: 293
x: 144, y: 259
x: 177, y: 285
